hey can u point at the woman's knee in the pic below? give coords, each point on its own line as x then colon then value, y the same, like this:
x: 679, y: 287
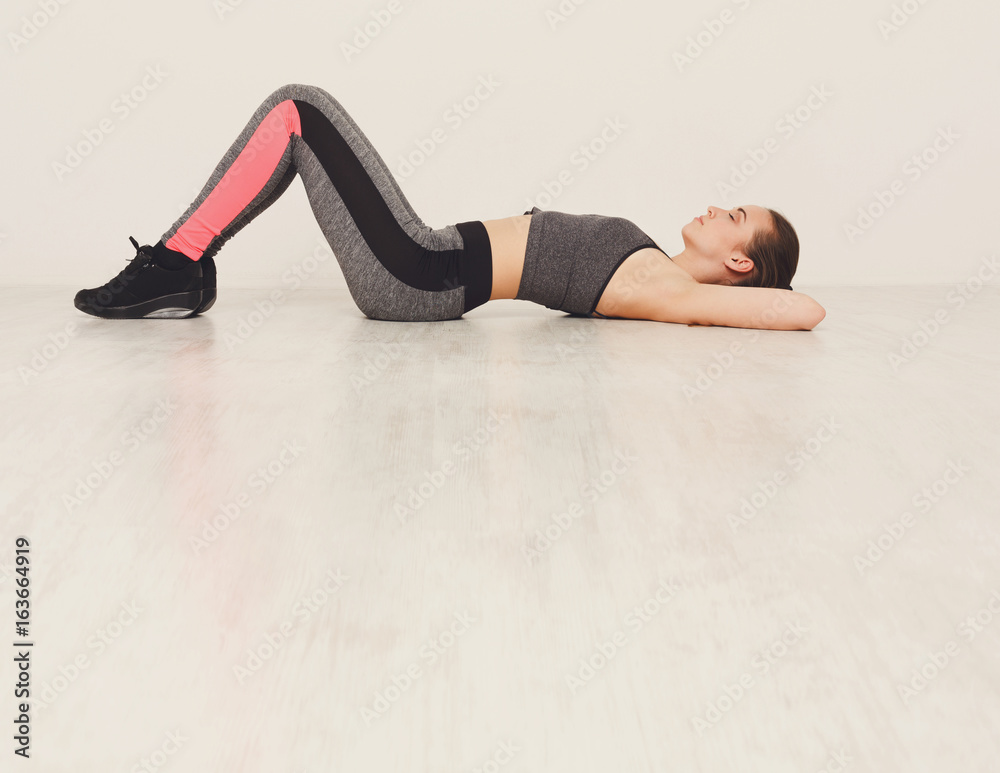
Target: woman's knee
x: 302, y: 92
x: 386, y: 308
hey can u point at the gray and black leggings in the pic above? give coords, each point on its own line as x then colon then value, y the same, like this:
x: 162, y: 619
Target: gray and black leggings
x: 396, y: 267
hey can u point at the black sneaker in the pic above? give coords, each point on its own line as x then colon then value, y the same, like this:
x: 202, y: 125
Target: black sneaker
x: 208, y: 283
x: 147, y: 289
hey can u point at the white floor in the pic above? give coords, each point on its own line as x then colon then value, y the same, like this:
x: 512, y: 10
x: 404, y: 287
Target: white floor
x: 300, y: 540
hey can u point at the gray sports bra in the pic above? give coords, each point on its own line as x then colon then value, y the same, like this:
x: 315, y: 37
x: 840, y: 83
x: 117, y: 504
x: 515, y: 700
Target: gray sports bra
x: 569, y: 259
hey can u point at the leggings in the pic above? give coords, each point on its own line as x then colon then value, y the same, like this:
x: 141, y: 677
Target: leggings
x: 396, y: 267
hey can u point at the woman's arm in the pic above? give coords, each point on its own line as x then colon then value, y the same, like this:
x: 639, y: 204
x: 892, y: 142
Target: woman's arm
x: 766, y: 308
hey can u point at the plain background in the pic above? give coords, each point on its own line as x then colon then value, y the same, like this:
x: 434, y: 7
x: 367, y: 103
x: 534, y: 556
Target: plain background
x: 562, y: 71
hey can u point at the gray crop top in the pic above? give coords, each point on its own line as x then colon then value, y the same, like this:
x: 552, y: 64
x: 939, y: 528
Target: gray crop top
x: 569, y: 259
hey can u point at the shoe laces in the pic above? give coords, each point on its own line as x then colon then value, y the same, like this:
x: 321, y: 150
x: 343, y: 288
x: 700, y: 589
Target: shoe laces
x: 141, y: 260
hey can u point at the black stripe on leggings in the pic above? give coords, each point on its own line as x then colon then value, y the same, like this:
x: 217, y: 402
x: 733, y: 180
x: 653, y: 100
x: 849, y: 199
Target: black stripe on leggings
x: 405, y: 259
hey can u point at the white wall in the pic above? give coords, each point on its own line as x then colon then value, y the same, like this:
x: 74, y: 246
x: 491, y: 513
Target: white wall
x: 685, y: 126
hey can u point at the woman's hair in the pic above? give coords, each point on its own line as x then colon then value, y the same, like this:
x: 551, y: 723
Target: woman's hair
x: 775, y: 255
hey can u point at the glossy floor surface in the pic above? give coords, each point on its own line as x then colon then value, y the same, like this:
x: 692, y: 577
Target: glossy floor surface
x: 283, y: 537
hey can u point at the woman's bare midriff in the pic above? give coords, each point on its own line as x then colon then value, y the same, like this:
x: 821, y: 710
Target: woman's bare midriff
x: 643, y: 274
x: 508, y: 241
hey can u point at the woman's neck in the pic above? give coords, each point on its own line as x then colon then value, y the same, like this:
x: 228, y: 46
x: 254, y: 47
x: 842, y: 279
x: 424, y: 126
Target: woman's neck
x: 704, y: 270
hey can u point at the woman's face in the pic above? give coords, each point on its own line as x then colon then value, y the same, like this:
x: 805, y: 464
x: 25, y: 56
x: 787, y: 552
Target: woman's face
x: 720, y: 233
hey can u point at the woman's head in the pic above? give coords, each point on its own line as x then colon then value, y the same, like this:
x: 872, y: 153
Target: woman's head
x: 752, y: 246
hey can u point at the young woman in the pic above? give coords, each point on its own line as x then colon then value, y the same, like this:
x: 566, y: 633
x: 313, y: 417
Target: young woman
x: 735, y: 270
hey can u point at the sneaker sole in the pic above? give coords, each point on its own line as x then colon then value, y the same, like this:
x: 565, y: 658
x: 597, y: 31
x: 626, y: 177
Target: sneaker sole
x: 177, y: 306
x: 206, y: 305
x: 208, y: 293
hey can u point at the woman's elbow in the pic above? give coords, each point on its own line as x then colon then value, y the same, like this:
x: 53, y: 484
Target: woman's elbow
x: 815, y: 316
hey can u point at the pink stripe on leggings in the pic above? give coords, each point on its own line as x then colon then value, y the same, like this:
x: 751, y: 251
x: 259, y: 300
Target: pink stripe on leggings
x: 241, y: 183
